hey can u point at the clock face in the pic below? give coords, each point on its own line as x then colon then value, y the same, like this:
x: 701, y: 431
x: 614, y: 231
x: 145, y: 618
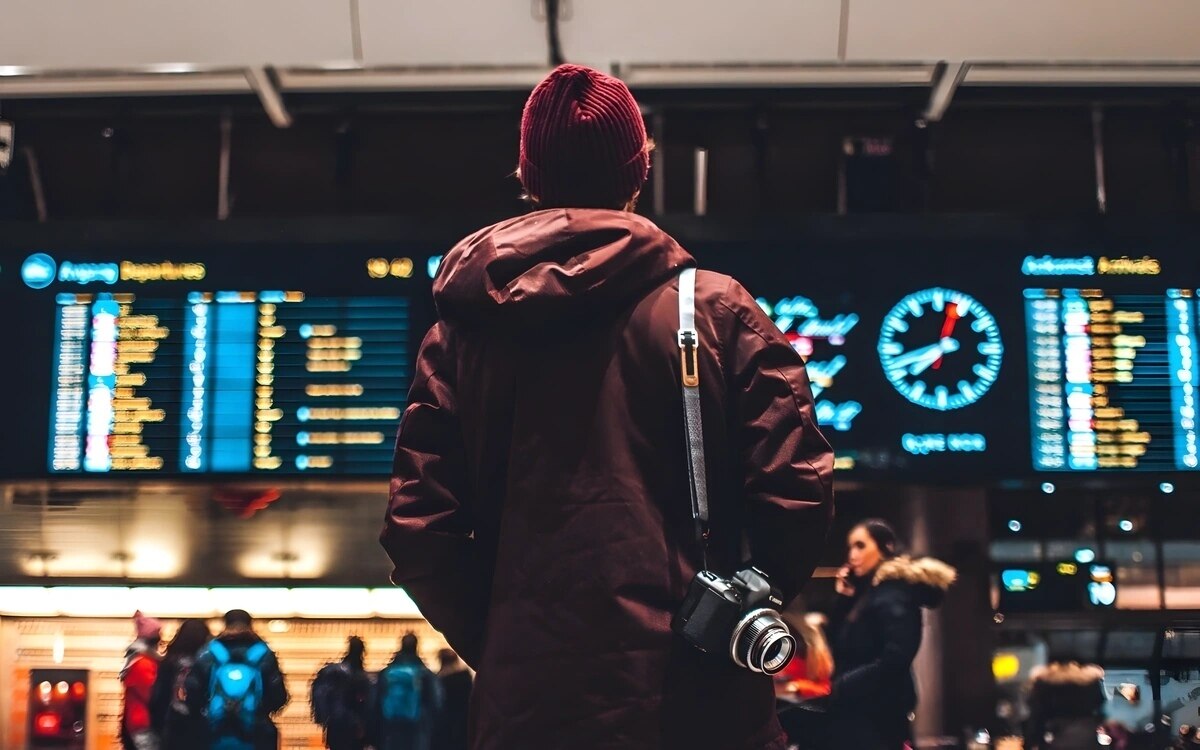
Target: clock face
x: 940, y: 349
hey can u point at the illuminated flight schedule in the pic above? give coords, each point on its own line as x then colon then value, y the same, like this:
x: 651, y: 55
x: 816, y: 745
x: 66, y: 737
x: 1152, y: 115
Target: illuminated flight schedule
x: 228, y: 382
x: 1112, y: 380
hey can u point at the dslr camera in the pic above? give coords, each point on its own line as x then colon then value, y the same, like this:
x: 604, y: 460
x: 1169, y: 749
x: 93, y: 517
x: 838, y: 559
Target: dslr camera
x: 740, y: 617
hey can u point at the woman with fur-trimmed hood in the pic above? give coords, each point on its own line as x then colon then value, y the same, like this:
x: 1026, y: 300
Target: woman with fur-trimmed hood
x: 1066, y: 702
x: 875, y: 631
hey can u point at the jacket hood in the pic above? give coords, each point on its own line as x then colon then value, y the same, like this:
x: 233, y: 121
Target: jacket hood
x: 136, y: 650
x: 1067, y: 673
x: 556, y: 262
x: 928, y: 577
x: 243, y: 638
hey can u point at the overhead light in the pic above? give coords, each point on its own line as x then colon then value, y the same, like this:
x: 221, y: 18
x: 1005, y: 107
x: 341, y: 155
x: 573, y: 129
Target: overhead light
x: 181, y: 602
x: 33, y: 84
x: 1166, y: 488
x: 997, y: 74
x: 356, y: 78
x: 1048, y: 488
x: 685, y: 76
x: 1014, y: 526
x: 176, y: 67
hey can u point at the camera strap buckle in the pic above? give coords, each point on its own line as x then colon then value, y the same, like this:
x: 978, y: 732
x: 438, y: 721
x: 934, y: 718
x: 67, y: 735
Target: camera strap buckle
x: 689, y: 347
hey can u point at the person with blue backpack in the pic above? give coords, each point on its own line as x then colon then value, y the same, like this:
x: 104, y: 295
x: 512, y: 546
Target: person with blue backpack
x: 237, y: 685
x: 408, y: 700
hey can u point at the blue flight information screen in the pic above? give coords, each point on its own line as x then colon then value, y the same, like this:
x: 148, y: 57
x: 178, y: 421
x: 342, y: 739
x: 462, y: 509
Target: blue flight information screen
x: 1113, y: 379
x: 154, y: 371
x: 235, y: 382
x: 933, y: 355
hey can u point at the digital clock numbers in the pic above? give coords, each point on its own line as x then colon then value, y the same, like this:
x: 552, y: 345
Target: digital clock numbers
x: 940, y: 349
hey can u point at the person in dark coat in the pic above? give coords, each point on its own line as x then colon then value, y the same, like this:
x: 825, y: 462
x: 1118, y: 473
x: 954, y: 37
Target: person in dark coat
x: 408, y: 701
x: 180, y: 727
x: 344, y: 689
x: 242, y: 645
x: 455, y: 678
x: 1066, y: 705
x: 875, y: 635
x: 540, y: 511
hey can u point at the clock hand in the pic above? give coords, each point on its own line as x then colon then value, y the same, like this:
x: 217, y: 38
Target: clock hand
x: 916, y: 355
x: 944, y: 346
x: 931, y: 352
x: 952, y: 316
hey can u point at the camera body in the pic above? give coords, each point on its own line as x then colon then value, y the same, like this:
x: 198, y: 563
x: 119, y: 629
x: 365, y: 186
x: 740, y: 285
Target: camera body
x: 737, y: 616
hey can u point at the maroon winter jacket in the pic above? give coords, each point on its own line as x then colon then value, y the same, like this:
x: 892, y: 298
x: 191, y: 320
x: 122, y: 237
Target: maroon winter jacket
x: 540, y: 513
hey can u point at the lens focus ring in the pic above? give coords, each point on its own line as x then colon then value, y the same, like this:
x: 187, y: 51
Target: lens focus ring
x: 761, y: 642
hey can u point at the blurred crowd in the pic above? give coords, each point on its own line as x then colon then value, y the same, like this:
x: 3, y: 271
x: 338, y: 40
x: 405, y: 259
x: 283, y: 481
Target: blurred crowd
x: 206, y: 692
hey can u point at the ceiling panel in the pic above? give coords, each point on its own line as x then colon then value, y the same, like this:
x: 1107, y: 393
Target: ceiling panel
x: 451, y: 33
x: 126, y: 33
x: 679, y: 31
x: 1023, y: 30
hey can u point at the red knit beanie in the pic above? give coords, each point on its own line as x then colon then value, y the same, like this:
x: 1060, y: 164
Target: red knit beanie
x: 583, y: 141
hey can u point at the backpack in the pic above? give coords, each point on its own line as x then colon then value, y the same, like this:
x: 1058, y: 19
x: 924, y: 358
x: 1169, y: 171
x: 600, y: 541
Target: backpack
x: 330, y: 696
x: 183, y: 668
x: 400, y: 692
x: 235, y: 690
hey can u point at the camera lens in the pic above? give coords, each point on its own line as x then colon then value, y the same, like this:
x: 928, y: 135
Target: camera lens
x: 762, y: 643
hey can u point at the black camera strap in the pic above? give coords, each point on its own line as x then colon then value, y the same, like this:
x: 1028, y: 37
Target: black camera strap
x: 689, y: 347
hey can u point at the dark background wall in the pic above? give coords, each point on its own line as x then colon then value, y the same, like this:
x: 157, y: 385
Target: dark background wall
x: 770, y: 153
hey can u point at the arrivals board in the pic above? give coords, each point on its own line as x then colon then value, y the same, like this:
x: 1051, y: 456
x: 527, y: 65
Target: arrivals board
x: 934, y: 355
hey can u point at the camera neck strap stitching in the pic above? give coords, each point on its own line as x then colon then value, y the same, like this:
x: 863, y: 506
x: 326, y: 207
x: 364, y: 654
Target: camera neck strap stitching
x: 689, y: 346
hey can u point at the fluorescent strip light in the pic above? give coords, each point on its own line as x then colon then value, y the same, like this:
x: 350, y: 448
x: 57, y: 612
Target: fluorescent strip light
x: 92, y: 601
x: 123, y: 85
x: 263, y: 603
x: 27, y: 601
x: 408, y: 79
x: 982, y: 74
x: 332, y: 602
x: 179, y: 602
x: 701, y: 76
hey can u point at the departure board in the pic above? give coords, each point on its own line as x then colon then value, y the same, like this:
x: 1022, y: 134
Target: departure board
x: 989, y: 353
x: 228, y: 382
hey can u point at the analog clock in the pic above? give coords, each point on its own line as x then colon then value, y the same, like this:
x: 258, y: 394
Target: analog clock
x: 940, y: 349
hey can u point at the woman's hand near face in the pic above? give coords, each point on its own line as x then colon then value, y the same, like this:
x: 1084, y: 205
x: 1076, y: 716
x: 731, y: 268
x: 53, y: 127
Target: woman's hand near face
x: 842, y: 583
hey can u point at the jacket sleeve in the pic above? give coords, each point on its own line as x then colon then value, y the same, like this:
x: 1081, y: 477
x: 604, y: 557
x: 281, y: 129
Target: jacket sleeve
x: 429, y: 528
x: 138, y: 683
x: 160, y: 694
x: 898, y: 622
x: 275, y: 694
x: 787, y: 464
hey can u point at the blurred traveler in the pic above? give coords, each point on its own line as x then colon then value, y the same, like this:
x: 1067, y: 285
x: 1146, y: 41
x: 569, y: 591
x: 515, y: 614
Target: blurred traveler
x: 341, y: 699
x: 1066, y: 705
x: 875, y: 633
x: 179, y: 727
x: 137, y: 679
x: 809, y: 674
x: 801, y: 688
x: 455, y: 678
x: 407, y: 701
x: 540, y: 513
x: 237, y: 683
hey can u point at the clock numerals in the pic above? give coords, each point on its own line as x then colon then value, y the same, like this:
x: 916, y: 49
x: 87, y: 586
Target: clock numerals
x: 940, y: 349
